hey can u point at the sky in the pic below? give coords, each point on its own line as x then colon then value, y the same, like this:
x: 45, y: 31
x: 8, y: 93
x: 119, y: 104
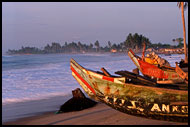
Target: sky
x: 41, y: 23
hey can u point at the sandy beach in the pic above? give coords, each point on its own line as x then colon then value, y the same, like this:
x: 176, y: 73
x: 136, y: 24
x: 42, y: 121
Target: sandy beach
x: 100, y: 114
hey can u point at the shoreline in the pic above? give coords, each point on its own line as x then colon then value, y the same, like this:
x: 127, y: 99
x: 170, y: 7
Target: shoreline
x: 101, y: 114
x: 72, y: 53
x: 17, y: 110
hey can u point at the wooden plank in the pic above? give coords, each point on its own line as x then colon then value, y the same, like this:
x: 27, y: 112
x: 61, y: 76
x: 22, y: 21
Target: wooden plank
x: 105, y: 72
x: 181, y: 73
x: 166, y: 82
x: 136, y: 71
x: 179, y: 103
x: 137, y: 78
x: 166, y: 67
x: 128, y: 75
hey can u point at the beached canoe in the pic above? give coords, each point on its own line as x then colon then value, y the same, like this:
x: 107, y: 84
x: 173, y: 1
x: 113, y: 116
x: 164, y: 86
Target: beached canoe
x: 163, y: 74
x: 132, y: 97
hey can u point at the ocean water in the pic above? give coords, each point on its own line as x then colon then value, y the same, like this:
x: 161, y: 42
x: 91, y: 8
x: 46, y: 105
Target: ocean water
x: 36, y: 77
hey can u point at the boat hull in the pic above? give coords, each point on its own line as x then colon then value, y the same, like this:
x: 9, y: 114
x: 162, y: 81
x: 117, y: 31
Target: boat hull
x: 134, y: 99
x: 162, y: 74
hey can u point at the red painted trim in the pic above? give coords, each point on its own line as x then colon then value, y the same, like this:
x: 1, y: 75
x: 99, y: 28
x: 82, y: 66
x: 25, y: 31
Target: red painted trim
x: 82, y: 80
x: 108, y: 78
x: 131, y: 51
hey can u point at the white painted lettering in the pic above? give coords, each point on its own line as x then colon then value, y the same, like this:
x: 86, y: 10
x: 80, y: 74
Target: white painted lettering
x: 165, y: 108
x: 184, y: 109
x: 114, y: 100
x: 175, y: 108
x: 133, y: 105
x: 155, y: 107
x: 140, y: 109
x: 106, y: 98
x: 122, y: 102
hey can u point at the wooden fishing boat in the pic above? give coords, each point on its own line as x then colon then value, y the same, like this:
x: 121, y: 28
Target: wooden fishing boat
x: 163, y: 74
x: 133, y: 94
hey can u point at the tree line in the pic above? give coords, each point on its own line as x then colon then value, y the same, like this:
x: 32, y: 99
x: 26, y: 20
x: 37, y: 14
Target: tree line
x: 133, y: 41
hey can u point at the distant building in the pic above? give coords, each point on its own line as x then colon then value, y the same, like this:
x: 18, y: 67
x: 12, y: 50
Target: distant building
x: 170, y: 50
x: 149, y: 50
x: 113, y: 50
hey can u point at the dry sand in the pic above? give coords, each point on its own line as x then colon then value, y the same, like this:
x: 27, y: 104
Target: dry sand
x: 101, y: 114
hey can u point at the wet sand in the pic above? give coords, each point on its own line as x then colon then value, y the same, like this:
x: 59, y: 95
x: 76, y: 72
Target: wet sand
x: 100, y: 114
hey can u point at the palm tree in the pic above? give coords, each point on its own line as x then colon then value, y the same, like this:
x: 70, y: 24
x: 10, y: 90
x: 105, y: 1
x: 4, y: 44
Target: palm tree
x: 97, y: 45
x: 109, y: 44
x: 183, y: 5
